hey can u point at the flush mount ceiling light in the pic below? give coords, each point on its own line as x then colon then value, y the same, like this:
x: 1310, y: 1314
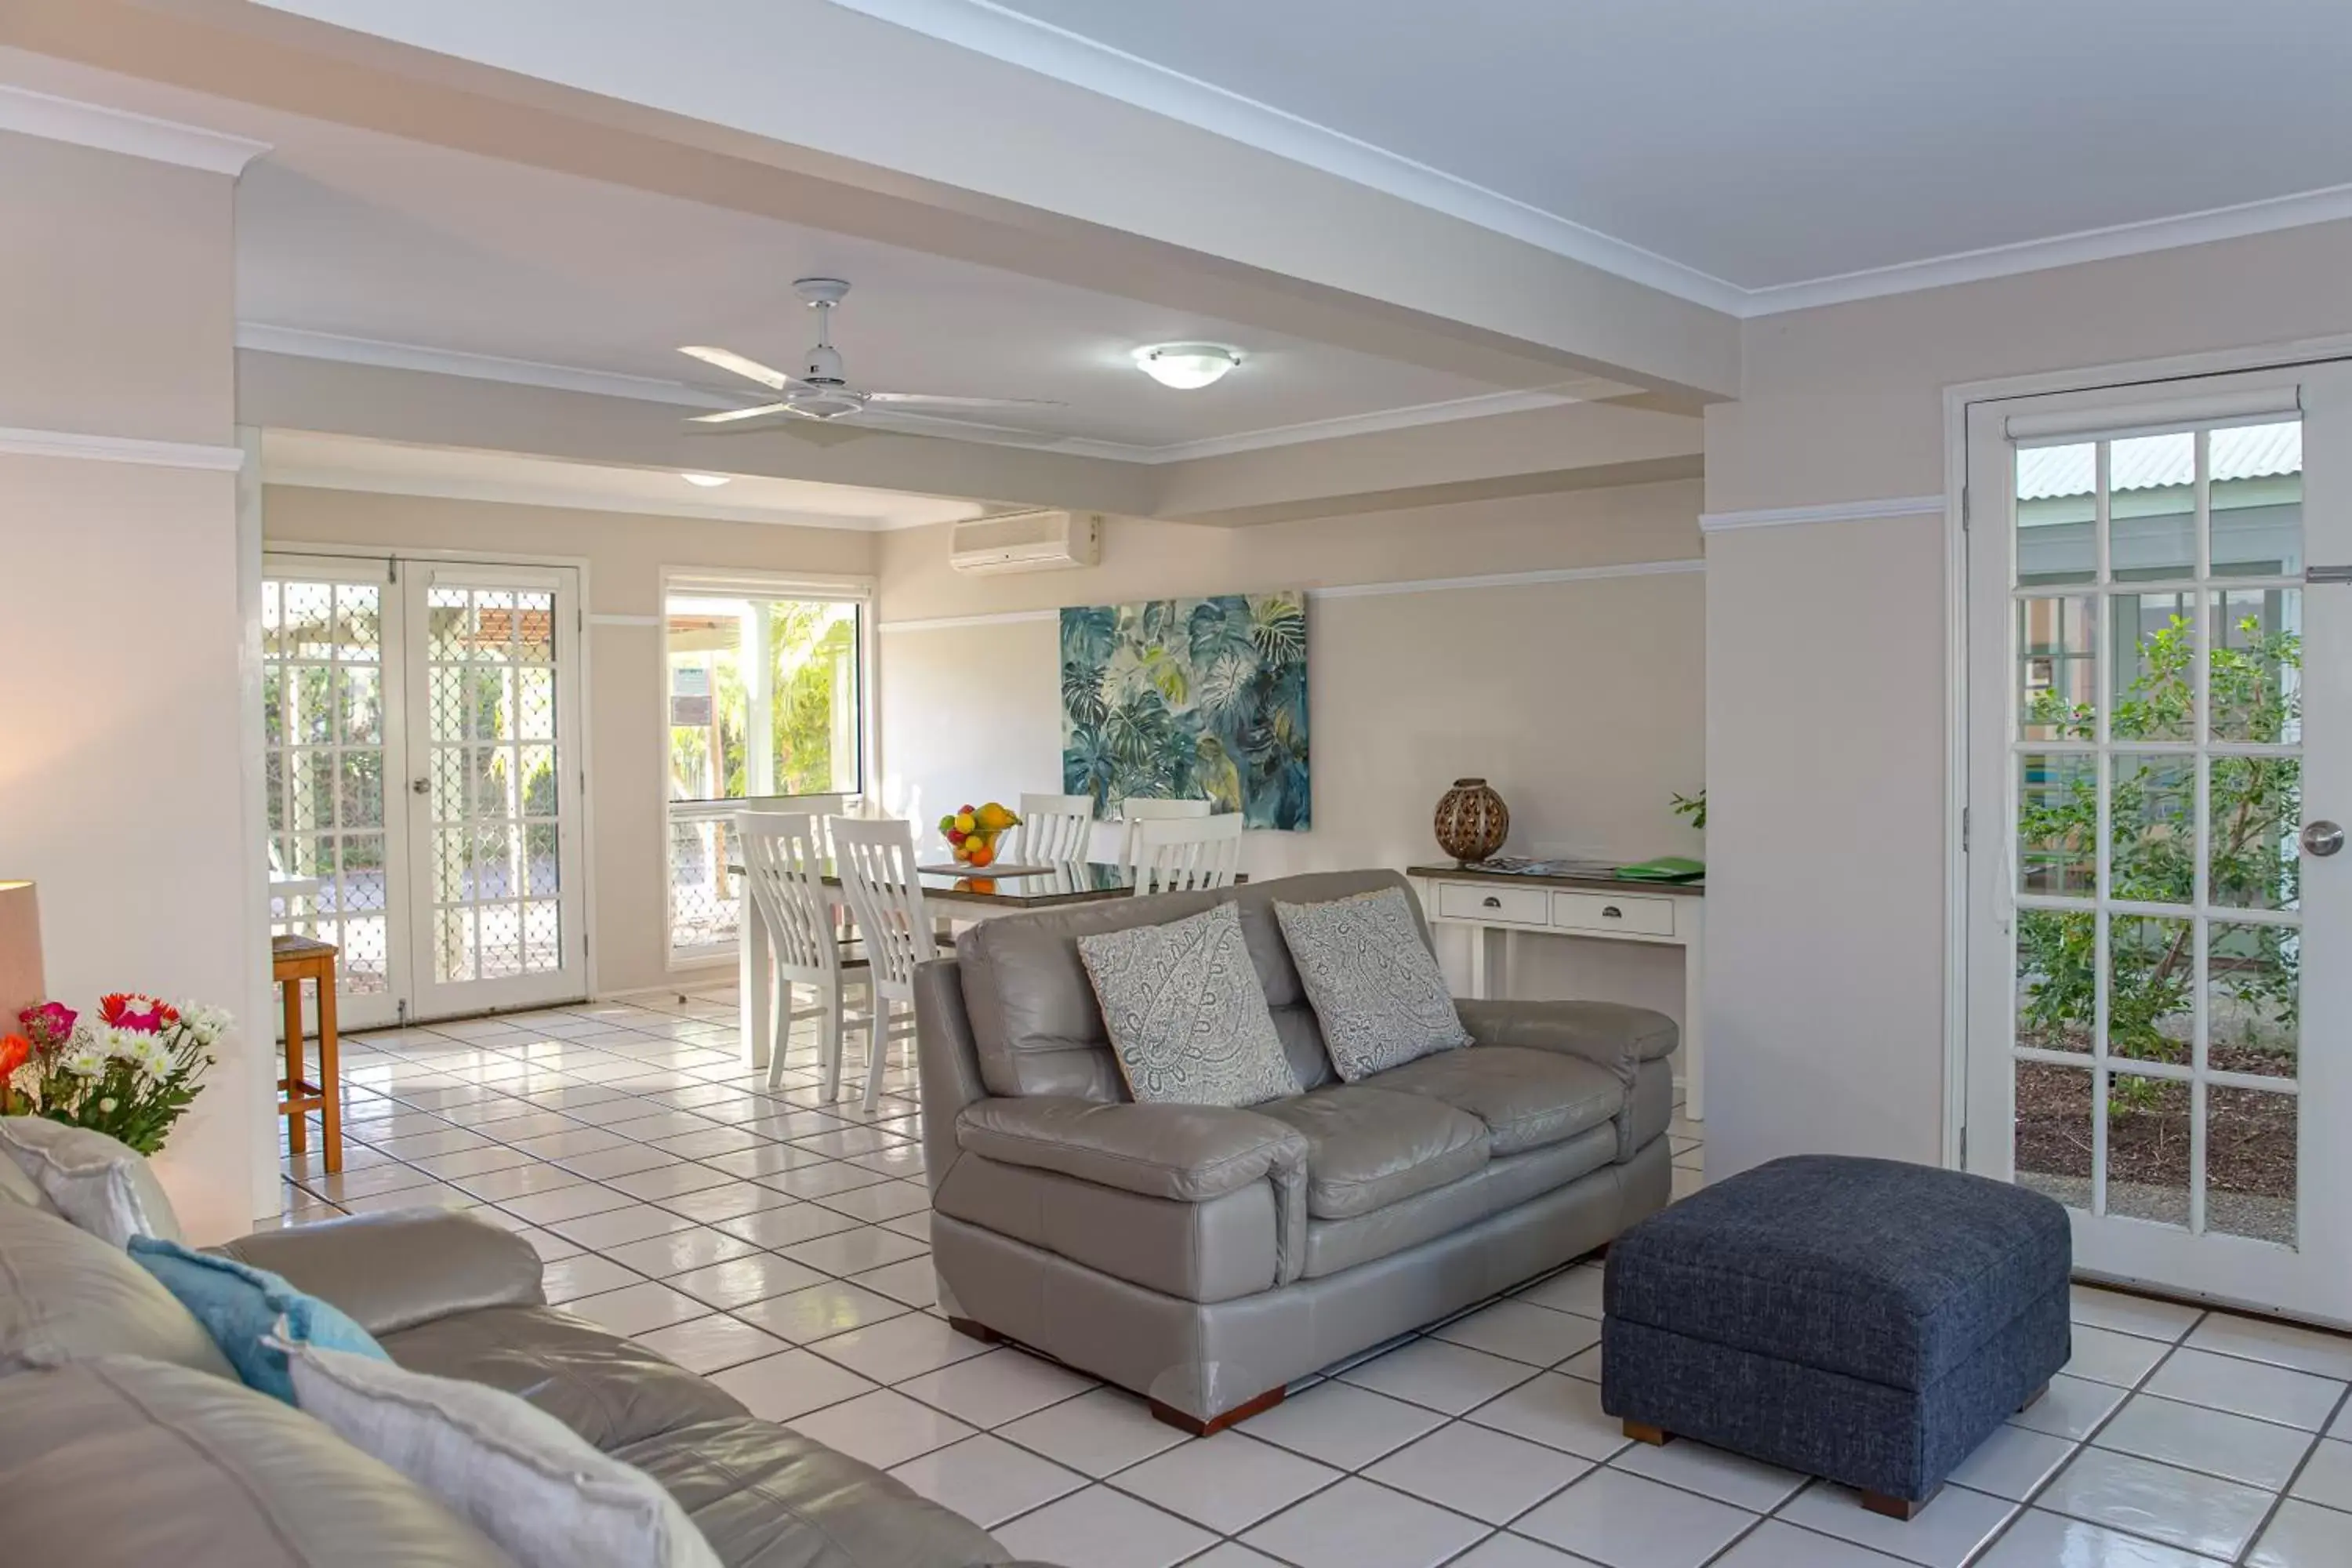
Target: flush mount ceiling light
x: 709, y: 481
x: 1186, y: 366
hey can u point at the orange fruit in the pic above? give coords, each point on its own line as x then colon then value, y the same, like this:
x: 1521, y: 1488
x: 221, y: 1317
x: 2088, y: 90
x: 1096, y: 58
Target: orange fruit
x: 980, y: 855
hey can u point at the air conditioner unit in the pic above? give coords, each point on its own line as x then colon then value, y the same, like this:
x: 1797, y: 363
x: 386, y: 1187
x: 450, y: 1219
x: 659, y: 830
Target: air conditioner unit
x: 1028, y: 541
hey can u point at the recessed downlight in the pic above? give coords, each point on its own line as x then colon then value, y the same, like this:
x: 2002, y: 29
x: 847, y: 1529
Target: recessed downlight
x: 1187, y: 367
x: 709, y: 481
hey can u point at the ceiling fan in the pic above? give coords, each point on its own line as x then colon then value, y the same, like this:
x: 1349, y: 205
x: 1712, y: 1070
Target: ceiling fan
x: 822, y: 391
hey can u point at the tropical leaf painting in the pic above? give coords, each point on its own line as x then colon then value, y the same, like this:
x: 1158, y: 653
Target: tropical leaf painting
x: 1194, y: 699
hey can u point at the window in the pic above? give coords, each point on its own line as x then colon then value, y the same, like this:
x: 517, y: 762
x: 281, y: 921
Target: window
x: 764, y: 692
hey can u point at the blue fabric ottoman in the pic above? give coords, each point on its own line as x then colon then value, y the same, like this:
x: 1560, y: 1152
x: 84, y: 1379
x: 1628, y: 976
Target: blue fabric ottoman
x: 1866, y: 1320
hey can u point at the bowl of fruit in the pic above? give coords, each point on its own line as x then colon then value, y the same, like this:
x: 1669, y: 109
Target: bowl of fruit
x: 971, y: 833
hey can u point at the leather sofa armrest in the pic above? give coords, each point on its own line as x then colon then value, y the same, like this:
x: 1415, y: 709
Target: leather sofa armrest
x: 400, y: 1268
x: 1607, y: 1033
x: 1189, y: 1153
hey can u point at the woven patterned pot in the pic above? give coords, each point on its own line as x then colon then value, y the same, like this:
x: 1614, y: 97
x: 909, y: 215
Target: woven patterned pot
x: 1471, y: 821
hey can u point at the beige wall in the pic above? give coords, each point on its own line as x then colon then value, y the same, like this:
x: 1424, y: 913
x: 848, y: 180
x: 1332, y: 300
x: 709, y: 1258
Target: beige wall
x: 627, y: 738
x: 1827, y: 674
x: 1580, y: 699
x: 122, y: 783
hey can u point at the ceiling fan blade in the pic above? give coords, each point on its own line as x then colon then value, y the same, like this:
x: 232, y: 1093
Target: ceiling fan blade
x: 749, y: 369
x: 947, y: 402
x: 734, y: 415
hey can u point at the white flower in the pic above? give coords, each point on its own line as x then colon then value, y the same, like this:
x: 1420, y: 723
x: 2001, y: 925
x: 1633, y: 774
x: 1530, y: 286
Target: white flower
x: 86, y: 1059
x: 26, y: 1080
x: 108, y: 1105
x: 206, y: 1024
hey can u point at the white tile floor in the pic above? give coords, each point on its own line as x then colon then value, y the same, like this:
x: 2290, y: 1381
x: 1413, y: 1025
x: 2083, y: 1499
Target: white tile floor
x: 779, y: 1245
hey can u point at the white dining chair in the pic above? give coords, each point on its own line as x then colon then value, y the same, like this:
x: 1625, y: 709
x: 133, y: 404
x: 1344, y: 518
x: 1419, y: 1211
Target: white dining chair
x: 1056, y: 830
x: 1187, y: 853
x: 1139, y: 809
x: 783, y: 865
x: 875, y: 862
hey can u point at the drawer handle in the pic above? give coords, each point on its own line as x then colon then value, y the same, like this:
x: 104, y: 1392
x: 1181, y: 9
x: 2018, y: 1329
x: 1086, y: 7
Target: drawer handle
x: 1490, y: 902
x: 1611, y: 911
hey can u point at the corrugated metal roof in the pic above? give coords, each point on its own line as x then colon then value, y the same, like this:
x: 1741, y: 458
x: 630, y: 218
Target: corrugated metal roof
x: 2151, y: 462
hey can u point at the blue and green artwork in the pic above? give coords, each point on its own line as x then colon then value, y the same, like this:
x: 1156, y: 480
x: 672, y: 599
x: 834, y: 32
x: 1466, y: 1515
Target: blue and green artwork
x: 1189, y: 699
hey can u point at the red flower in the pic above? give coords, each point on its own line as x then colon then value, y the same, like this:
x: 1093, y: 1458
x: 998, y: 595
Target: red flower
x: 16, y: 1050
x: 119, y: 1009
x: 50, y: 1023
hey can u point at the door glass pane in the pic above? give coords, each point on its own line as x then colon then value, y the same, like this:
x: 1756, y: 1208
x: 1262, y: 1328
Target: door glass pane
x: 2154, y: 645
x: 2058, y: 824
x: 2253, y: 993
x: 2257, y: 811
x: 2057, y: 964
x: 2057, y: 514
x: 2147, y: 1148
x: 2257, y: 680
x: 2151, y: 995
x: 322, y: 723
x: 2152, y: 813
x: 2250, y: 1163
x: 2257, y: 501
x: 2058, y: 688
x: 2054, y: 1148
x: 2152, y: 507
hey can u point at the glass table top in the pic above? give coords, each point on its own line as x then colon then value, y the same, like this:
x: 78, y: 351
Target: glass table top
x: 1015, y: 886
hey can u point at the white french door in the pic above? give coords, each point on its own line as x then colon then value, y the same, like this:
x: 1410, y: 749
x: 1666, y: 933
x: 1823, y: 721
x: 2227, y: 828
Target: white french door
x: 2160, y: 746
x: 424, y: 770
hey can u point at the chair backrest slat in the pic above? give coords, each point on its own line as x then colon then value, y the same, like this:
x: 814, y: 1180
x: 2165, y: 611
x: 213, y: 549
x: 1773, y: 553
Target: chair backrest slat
x: 1139, y: 809
x: 876, y: 862
x: 1055, y: 830
x: 783, y: 866
x: 1183, y: 855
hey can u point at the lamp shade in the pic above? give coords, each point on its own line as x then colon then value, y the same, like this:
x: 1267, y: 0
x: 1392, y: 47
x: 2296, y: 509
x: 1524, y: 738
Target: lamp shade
x: 20, y: 952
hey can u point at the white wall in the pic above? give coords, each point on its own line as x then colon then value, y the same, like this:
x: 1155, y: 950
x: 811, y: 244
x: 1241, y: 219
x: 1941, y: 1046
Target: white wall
x: 122, y: 783
x: 1826, y: 669
x: 628, y: 734
x: 1580, y: 701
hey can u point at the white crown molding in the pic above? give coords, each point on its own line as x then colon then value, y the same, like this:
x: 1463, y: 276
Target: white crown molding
x: 990, y: 29
x: 41, y: 114
x: 1833, y: 511
x: 1362, y: 591
x: 119, y: 449
x: 438, y: 487
x: 302, y: 343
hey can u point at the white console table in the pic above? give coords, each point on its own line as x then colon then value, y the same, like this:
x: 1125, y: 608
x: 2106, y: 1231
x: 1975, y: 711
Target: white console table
x: 1492, y: 905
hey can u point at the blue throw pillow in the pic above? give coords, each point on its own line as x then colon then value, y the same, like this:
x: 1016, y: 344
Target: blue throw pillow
x: 239, y: 1305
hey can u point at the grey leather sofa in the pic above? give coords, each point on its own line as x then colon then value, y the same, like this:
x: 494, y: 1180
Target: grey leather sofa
x: 1207, y: 1258
x: 125, y: 1438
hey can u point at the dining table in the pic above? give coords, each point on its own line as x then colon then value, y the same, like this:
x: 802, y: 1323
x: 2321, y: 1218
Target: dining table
x: 958, y: 893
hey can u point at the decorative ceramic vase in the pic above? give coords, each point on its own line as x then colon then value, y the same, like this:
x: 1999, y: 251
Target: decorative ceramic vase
x: 1471, y: 821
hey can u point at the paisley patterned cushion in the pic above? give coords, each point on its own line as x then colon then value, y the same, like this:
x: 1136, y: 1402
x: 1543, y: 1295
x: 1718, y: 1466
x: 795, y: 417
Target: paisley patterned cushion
x: 1374, y: 984
x: 1187, y: 1016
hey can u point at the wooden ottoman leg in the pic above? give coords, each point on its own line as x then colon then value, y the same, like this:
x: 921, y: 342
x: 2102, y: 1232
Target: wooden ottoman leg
x: 298, y: 1133
x: 1641, y: 1432
x: 2034, y: 1399
x: 1898, y: 1507
x: 330, y: 1087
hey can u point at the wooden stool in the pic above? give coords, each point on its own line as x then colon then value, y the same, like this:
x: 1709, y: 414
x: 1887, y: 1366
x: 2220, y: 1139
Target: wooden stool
x: 293, y: 960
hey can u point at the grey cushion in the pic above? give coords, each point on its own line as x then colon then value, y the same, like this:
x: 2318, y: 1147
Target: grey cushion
x: 1607, y: 1033
x: 1037, y: 1027
x: 1189, y: 1153
x: 1889, y: 1272
x: 120, y: 1460
x: 1373, y: 981
x: 68, y: 1296
x: 606, y: 1389
x: 1367, y: 1149
x: 766, y: 1497
x: 100, y: 1183
x: 395, y: 1269
x: 1186, y: 1015
x: 1526, y: 1098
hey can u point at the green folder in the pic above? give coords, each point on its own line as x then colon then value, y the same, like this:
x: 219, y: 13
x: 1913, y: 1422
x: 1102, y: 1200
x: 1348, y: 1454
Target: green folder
x: 1665, y: 869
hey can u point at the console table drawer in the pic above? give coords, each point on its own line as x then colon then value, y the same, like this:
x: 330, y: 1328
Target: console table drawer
x: 1648, y: 916
x: 1506, y: 906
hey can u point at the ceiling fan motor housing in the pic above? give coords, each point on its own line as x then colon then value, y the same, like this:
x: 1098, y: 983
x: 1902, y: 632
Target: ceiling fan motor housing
x: 821, y: 366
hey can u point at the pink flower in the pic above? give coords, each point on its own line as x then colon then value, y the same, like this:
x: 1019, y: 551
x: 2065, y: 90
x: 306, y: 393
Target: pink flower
x: 50, y: 1023
x: 124, y: 1010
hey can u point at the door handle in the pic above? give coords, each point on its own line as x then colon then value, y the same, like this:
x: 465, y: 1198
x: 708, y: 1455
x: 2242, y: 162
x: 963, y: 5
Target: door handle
x: 420, y: 786
x: 2322, y: 838
x: 1611, y: 911
x: 1490, y: 902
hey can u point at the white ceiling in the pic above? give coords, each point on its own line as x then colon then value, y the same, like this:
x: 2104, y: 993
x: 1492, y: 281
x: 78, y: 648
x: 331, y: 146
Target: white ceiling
x: 353, y: 463
x: 353, y: 235
x: 1737, y: 150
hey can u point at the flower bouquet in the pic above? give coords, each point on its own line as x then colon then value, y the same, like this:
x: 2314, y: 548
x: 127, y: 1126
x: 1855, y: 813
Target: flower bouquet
x: 971, y: 833
x: 130, y: 1075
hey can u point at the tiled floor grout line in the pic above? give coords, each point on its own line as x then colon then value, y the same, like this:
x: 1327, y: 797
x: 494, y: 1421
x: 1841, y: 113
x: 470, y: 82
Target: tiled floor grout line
x: 2279, y: 1500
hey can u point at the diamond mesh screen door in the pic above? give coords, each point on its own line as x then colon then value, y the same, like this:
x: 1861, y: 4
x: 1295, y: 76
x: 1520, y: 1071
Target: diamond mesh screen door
x: 494, y: 778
